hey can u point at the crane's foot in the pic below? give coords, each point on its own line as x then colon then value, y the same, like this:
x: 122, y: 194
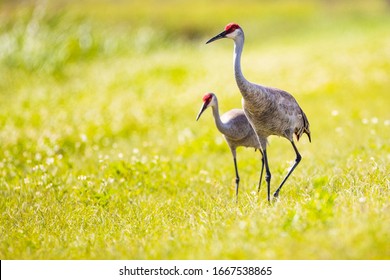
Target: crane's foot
x: 276, y: 196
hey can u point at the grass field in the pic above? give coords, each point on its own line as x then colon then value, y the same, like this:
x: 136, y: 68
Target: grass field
x: 101, y: 156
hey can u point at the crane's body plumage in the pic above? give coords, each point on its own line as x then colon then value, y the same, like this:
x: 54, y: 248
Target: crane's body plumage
x: 235, y: 128
x: 275, y: 113
x: 270, y: 111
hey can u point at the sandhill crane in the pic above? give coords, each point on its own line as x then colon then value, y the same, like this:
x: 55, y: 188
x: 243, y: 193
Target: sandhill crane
x: 235, y: 128
x: 270, y: 111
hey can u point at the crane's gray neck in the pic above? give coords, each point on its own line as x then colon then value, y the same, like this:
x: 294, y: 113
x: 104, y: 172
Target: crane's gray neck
x: 217, y: 117
x: 246, y: 88
x: 238, y: 47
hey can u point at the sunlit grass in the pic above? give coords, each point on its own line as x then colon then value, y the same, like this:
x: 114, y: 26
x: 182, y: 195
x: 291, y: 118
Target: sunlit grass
x: 102, y: 158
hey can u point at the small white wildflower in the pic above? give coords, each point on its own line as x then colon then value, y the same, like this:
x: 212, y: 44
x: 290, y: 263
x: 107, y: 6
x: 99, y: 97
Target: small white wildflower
x: 49, y: 161
x: 218, y: 140
x: 82, y: 177
x: 203, y: 172
x: 83, y: 138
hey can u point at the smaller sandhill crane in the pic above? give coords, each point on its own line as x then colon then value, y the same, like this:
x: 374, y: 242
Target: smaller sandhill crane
x: 236, y: 130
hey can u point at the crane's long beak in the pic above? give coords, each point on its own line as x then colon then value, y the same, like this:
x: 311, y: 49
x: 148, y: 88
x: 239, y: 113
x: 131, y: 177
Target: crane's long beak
x: 219, y: 36
x: 204, y: 107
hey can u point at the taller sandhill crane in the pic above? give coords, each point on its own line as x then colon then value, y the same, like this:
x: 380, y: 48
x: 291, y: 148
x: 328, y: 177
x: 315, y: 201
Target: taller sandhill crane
x: 270, y: 111
x: 236, y: 130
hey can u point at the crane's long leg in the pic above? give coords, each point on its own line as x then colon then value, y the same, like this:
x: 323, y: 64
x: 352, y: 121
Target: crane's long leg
x: 267, y: 175
x: 297, y: 160
x: 237, y: 177
x: 262, y: 169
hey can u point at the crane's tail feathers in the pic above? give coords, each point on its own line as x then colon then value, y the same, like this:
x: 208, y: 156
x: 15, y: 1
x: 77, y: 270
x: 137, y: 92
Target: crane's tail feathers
x: 301, y: 131
x: 308, y: 135
x: 304, y: 128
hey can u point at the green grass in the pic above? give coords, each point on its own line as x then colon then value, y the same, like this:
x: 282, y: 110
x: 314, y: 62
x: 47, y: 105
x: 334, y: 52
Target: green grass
x: 101, y: 156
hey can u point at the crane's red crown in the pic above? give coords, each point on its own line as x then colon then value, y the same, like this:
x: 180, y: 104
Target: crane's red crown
x: 207, y: 98
x: 231, y: 27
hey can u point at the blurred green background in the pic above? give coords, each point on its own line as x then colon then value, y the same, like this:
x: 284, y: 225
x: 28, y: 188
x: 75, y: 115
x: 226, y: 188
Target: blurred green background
x: 102, y: 158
